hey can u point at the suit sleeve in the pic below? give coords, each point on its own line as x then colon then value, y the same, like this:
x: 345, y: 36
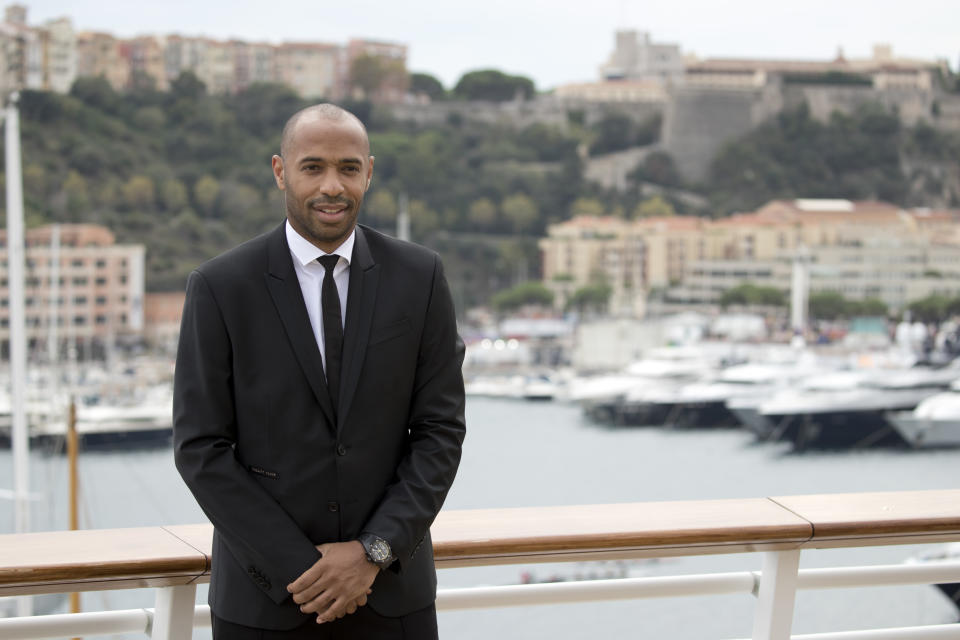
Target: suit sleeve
x: 259, y: 534
x: 437, y: 429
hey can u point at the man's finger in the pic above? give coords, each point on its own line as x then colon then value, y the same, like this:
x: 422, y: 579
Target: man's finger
x: 307, y: 578
x: 319, y: 604
x: 310, y: 592
x: 333, y: 612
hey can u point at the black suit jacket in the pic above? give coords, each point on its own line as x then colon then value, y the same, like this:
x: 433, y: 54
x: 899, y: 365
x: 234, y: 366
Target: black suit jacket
x: 254, y: 433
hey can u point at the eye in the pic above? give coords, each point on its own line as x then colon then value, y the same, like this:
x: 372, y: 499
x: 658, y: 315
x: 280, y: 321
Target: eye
x: 351, y: 169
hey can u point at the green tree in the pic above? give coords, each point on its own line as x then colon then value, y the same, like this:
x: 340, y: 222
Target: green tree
x: 371, y: 74
x: 658, y: 168
x: 827, y: 305
x: 594, y: 297
x: 493, y: 86
x: 187, y: 85
x: 933, y: 308
x: 521, y: 211
x: 423, y: 219
x: 173, y: 195
x: 97, y: 93
x: 587, y: 207
x: 521, y: 295
x: 205, y: 193
x: 241, y: 204
x: 655, y: 207
x: 139, y: 193
x: 751, y: 294
x: 868, y: 307
x: 381, y: 206
x: 427, y: 85
x: 482, y: 213
x: 75, y: 188
x: 34, y: 181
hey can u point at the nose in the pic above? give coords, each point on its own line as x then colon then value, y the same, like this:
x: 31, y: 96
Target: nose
x: 331, y: 185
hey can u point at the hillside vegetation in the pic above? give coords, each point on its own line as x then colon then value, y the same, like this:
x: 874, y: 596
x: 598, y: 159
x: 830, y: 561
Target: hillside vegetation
x: 188, y: 174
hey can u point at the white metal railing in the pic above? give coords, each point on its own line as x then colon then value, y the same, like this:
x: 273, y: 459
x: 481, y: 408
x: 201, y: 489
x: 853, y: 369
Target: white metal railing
x: 149, y: 622
x: 876, y: 520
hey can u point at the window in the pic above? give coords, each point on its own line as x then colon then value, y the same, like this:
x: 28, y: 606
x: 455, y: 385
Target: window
x: 80, y: 282
x: 101, y: 281
x: 101, y: 319
x: 80, y: 300
x: 101, y: 264
x: 101, y: 300
x: 77, y: 263
x: 79, y: 321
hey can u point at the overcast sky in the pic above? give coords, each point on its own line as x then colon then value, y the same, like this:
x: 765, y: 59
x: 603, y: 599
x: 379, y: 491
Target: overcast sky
x: 551, y: 41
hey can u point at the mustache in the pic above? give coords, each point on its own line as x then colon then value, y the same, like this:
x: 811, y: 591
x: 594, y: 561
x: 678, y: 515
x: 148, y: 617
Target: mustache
x: 313, y: 202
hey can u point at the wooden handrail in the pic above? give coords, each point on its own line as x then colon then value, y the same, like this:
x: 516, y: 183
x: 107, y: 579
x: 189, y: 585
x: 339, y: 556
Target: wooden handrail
x: 54, y: 562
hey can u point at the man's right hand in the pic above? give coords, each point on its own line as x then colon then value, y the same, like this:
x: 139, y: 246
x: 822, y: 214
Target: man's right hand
x: 337, y: 584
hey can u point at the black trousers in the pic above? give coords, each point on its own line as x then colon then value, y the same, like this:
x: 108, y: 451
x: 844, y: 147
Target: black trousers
x: 364, y: 624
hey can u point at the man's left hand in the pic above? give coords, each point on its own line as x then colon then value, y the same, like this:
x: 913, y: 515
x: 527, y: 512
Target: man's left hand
x: 336, y: 583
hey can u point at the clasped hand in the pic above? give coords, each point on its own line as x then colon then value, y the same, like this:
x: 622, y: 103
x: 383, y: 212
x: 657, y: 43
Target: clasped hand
x: 337, y: 584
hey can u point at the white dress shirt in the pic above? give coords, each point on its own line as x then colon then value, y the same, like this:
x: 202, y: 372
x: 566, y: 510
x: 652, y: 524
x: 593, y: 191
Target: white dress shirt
x: 310, y: 274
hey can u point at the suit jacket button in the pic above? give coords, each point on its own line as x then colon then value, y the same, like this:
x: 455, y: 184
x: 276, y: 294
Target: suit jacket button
x: 333, y: 507
x: 341, y: 450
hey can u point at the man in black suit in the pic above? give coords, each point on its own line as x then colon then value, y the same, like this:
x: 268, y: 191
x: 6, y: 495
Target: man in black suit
x: 318, y: 407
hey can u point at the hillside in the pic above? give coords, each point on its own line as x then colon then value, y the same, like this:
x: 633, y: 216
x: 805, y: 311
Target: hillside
x: 188, y: 174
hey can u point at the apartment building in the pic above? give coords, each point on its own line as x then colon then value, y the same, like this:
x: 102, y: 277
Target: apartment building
x: 253, y: 62
x: 52, y: 56
x: 100, y: 54
x: 309, y: 68
x: 859, y: 249
x: 144, y: 56
x: 393, y: 85
x: 881, y: 71
x: 94, y: 292
x: 23, y: 51
x: 59, y: 55
x: 587, y: 251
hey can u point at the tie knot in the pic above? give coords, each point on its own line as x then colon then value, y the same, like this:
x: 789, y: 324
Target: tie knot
x: 329, y: 262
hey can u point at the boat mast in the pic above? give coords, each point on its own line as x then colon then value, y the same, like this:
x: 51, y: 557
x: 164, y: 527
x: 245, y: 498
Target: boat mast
x: 18, y: 337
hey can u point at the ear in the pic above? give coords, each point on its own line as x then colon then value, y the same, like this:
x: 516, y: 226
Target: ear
x: 369, y: 174
x: 277, y: 163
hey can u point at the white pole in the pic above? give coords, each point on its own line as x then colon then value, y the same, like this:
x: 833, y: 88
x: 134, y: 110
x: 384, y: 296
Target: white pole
x: 403, y: 218
x: 18, y: 337
x: 800, y: 290
x: 53, y: 339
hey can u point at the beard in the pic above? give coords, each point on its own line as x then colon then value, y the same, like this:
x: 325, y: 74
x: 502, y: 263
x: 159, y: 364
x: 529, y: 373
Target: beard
x: 325, y: 234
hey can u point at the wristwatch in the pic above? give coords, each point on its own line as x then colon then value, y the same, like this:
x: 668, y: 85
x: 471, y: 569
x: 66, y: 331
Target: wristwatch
x: 378, y: 550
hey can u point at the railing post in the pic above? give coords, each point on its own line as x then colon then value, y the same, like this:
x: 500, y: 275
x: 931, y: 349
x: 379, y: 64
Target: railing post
x: 173, y: 613
x: 776, y: 595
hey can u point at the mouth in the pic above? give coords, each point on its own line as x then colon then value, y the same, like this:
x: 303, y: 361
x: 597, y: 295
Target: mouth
x: 330, y: 209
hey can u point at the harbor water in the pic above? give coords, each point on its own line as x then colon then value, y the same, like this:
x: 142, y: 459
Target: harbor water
x: 520, y: 454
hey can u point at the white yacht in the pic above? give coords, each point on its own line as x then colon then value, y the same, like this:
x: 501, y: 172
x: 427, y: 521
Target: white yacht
x: 935, y: 422
x: 847, y: 409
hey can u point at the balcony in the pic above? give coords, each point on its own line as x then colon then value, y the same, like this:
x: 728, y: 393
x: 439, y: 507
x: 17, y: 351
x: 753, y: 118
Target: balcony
x: 174, y: 559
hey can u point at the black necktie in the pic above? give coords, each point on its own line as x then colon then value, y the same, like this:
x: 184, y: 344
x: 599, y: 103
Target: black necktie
x: 332, y: 327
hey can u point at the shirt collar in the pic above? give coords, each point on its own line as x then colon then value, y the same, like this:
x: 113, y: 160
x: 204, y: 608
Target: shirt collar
x: 306, y: 252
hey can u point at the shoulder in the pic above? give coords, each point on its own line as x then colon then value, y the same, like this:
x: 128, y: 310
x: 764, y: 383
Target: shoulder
x: 392, y: 252
x: 243, y: 260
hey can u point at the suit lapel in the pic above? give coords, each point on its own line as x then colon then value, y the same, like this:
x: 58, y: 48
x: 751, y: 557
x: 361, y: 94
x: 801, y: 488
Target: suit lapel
x: 361, y: 299
x: 287, y: 296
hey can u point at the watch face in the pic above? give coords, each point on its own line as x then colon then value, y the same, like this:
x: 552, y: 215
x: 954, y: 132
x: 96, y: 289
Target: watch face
x: 379, y: 550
